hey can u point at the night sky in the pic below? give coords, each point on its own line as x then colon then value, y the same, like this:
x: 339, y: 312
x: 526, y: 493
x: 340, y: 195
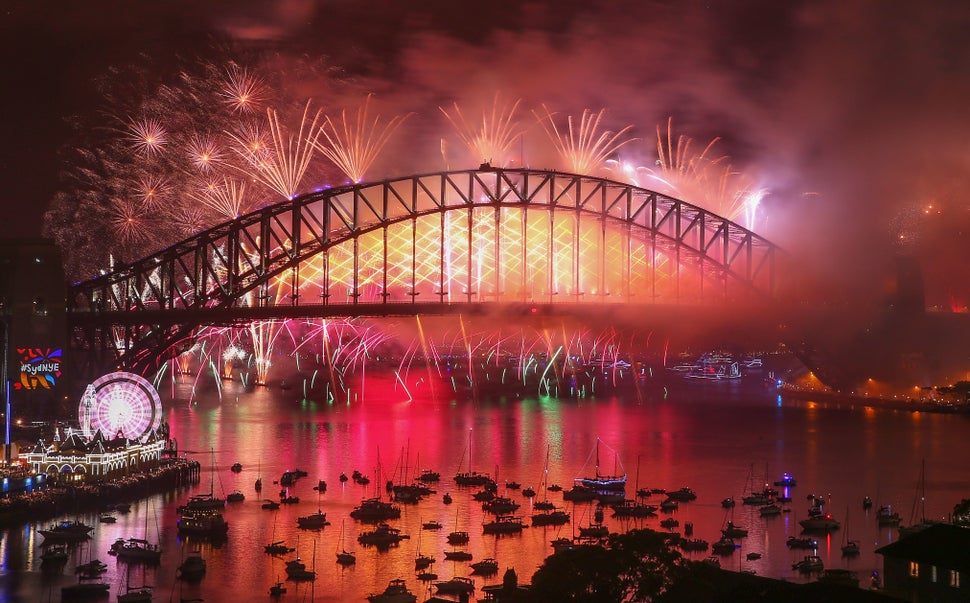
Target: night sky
x: 853, y: 115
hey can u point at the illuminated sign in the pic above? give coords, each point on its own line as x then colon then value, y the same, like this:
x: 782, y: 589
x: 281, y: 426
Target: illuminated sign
x: 39, y: 368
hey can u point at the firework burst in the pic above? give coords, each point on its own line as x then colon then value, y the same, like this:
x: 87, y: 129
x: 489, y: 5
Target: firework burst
x: 492, y: 139
x: 283, y: 165
x: 584, y: 148
x: 241, y: 90
x: 147, y: 136
x: 227, y: 199
x: 203, y: 152
x: 355, y: 144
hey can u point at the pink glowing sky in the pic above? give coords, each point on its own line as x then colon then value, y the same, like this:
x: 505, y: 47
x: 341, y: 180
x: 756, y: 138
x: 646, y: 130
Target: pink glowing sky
x: 852, y: 114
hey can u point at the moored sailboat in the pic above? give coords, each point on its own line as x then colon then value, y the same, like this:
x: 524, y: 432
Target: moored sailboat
x: 614, y: 483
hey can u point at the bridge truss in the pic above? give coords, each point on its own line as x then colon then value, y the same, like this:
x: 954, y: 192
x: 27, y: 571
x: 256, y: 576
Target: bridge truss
x: 434, y: 243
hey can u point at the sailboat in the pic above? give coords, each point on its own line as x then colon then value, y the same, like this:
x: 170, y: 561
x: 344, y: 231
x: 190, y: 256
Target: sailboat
x: 850, y: 548
x: 598, y: 481
x: 139, y: 550
x: 206, y: 501
x: 344, y: 557
x: 258, y: 486
x: 471, y: 478
x: 632, y: 507
x: 919, y: 503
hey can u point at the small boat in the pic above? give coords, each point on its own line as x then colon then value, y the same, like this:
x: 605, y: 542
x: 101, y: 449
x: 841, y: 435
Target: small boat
x: 562, y: 544
x: 296, y: 570
x: 427, y: 576
x: 867, y: 503
x: 396, y: 592
x: 321, y: 486
x: 529, y: 492
x: 458, y: 556
x: 375, y: 509
x: 594, y: 530
x: 381, y: 536
x: 555, y: 488
x: 422, y: 561
x: 885, y: 516
x: 786, y: 481
x: 503, y: 524
x: 724, y: 546
x: 193, y: 568
x: 770, y: 510
x: 66, y: 531
x: 597, y: 481
x: 446, y: 498
x: 728, y: 502
x: 203, y: 523
x: 290, y: 500
x: 801, y: 543
x: 850, y: 548
x: 753, y: 556
x: 91, y: 569
x: 485, y: 567
x: 343, y: 477
x: 683, y: 495
x: 431, y: 525
x: 732, y: 531
x: 696, y: 544
x: 278, y: 548
x: 84, y: 590
x: 270, y: 505
x: 459, y: 585
x: 429, y: 476
x: 236, y: 467
x: 459, y: 537
x: 811, y: 563
x: 137, y: 550
x: 513, y: 485
x: 277, y: 590
x: 57, y: 553
x: 556, y: 517
x: 235, y: 496
x: 136, y: 594
x: 669, y: 505
x: 669, y: 523
x: 346, y: 558
x: 107, y: 519
x: 819, y: 523
x: 314, y: 521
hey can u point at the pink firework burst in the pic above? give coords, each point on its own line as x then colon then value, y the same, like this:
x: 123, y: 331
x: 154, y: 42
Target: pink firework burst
x: 147, y: 136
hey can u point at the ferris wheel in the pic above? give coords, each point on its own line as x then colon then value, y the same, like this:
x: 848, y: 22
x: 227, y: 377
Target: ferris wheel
x: 120, y: 403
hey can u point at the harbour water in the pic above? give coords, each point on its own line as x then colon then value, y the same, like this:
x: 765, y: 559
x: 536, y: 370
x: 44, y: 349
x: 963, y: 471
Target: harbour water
x: 718, y: 438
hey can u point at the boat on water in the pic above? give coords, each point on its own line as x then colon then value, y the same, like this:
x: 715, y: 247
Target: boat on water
x: 277, y: 590
x: 458, y: 556
x: 633, y: 508
x: 801, y: 543
x: 485, y: 567
x: 695, y: 544
x: 712, y: 366
x: 278, y: 548
x: 684, y: 494
x: 770, y: 510
x: 429, y: 476
x: 57, y: 553
x: 136, y: 594
x: 885, y: 516
x: 786, y: 481
x: 562, y: 544
x: 810, y: 563
x: 396, y: 592
x: 84, y: 590
x: 503, y: 524
x: 346, y: 558
x: 235, y: 496
x: 819, y: 523
x: 313, y: 521
x: 733, y: 531
x: 422, y: 561
x: 431, y: 525
x: 91, y: 569
x: 594, y: 530
x: 459, y: 585
x: 203, y: 523
x: 382, y: 536
x: 66, y: 531
x: 193, y: 568
x: 375, y: 509
x: 138, y: 550
x: 236, y: 467
x: 500, y: 505
x: 724, y: 546
x: 555, y: 517
x: 107, y: 519
x: 458, y: 537
x: 600, y: 482
x: 296, y: 570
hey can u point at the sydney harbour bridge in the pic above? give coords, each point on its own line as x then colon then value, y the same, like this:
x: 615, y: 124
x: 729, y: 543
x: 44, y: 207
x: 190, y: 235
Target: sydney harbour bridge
x: 518, y: 241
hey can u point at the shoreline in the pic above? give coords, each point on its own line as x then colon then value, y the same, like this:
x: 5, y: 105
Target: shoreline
x: 49, y: 503
x: 911, y: 404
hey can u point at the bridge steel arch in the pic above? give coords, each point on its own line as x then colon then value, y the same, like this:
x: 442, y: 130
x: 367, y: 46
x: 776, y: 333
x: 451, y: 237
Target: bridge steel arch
x: 432, y: 243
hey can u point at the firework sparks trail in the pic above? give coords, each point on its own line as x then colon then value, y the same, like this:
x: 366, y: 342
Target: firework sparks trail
x: 584, y: 148
x: 242, y: 91
x: 282, y: 168
x: 228, y: 199
x: 204, y: 153
x: 355, y: 144
x: 147, y: 136
x: 491, y: 140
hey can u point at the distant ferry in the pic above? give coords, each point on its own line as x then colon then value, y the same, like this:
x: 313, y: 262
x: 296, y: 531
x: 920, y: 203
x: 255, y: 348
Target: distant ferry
x: 712, y: 366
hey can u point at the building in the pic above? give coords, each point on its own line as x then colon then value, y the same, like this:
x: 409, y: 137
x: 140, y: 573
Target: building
x: 81, y: 460
x: 932, y: 564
